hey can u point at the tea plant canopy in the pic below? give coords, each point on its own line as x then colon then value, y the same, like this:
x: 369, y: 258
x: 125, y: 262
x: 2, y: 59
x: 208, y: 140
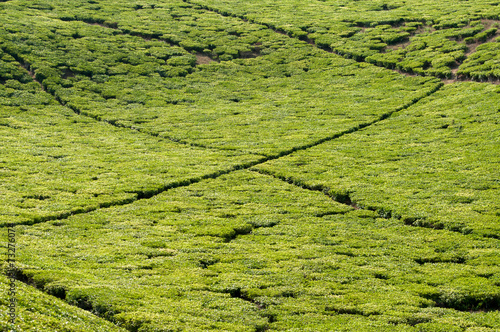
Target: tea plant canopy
x: 202, y: 165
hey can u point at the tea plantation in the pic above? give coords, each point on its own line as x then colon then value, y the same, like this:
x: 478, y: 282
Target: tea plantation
x: 202, y: 165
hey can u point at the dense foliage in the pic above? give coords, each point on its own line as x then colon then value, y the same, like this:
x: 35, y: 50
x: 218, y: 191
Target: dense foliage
x: 58, y: 163
x: 207, y: 165
x: 247, y: 252
x: 263, y: 105
x: 41, y: 312
x: 421, y: 37
x: 435, y: 165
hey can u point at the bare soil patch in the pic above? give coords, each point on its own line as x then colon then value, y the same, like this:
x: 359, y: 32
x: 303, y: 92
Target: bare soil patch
x: 202, y: 59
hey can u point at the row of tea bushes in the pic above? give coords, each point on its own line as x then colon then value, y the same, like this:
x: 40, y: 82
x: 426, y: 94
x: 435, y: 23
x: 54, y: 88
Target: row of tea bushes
x: 247, y: 252
x: 162, y: 240
x: 437, y: 52
x: 483, y: 64
x: 336, y: 18
x: 434, y: 36
x: 294, y: 95
x: 55, y: 163
x: 436, y: 164
x: 36, y: 311
x: 221, y: 38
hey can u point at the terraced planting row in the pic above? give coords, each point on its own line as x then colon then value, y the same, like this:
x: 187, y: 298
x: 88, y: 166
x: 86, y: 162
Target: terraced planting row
x: 37, y: 311
x: 436, y: 164
x: 264, y: 105
x: 417, y: 37
x: 172, y: 167
x: 246, y: 252
x: 228, y: 108
x: 57, y: 163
